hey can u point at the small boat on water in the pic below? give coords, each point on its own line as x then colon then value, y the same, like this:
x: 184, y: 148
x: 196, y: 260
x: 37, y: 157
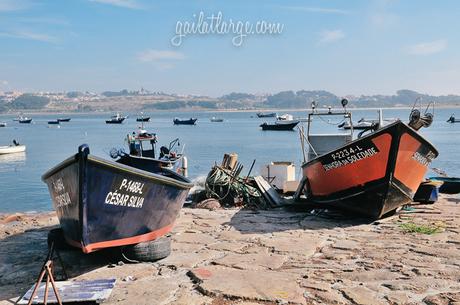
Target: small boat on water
x: 369, y: 124
x: 143, y: 119
x: 284, y: 125
x: 102, y: 203
x: 266, y: 115
x: 216, y: 120
x: 116, y: 119
x: 13, y: 148
x: 143, y: 148
x: 54, y: 122
x: 23, y: 120
x: 358, y: 126
x: 452, y: 119
x: 285, y: 117
x: 3, y: 124
x: 64, y: 119
x: 371, y: 175
x: 190, y: 121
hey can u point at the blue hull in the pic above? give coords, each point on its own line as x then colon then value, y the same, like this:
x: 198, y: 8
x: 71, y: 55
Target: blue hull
x: 103, y: 204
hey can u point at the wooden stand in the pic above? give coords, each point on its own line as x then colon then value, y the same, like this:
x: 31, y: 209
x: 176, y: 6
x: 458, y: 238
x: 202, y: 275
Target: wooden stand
x: 46, y: 269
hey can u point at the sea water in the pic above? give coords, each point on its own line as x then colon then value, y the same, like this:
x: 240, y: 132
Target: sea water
x: 21, y: 188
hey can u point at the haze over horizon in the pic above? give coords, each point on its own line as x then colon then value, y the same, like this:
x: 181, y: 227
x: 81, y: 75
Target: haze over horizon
x: 347, y: 48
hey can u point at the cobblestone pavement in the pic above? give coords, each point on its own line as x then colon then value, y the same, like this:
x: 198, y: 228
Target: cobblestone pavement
x: 264, y: 257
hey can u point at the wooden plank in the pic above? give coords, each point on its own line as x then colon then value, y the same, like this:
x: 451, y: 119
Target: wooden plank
x: 299, y: 190
x: 268, y: 192
x: 69, y: 291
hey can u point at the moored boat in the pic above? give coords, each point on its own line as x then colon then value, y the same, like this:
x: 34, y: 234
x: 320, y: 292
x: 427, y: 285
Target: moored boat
x: 116, y: 119
x: 266, y: 115
x: 191, y: 121
x: 143, y: 119
x: 216, y: 120
x: 63, y: 119
x: 358, y: 126
x: 102, y: 203
x: 283, y: 125
x: 53, y: 122
x: 3, y: 124
x: 143, y: 149
x: 23, y: 120
x: 452, y: 119
x: 13, y: 148
x: 372, y: 175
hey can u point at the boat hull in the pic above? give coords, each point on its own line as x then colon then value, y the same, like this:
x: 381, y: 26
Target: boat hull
x: 28, y: 121
x: 117, y: 121
x: 372, y: 175
x: 143, y: 119
x: 12, y: 149
x: 450, y: 185
x: 185, y: 122
x: 284, y: 126
x: 266, y: 115
x: 102, y: 204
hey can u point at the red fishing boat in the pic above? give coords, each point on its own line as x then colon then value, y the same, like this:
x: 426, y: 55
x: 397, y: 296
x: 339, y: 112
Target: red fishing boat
x: 374, y: 174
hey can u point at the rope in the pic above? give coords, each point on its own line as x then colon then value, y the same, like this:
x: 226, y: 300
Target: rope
x: 223, y: 186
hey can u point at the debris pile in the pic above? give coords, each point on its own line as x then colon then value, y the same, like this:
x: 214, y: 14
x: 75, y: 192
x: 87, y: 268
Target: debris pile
x: 225, y: 184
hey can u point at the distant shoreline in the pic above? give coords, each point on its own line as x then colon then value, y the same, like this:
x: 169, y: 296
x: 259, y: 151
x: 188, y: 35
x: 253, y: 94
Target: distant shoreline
x: 278, y: 110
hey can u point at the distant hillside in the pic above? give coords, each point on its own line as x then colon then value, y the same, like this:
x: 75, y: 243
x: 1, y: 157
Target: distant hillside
x: 29, y: 101
x: 136, y: 101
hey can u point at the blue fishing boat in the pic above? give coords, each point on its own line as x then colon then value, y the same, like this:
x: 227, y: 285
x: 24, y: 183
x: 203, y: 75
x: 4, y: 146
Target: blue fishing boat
x: 102, y: 203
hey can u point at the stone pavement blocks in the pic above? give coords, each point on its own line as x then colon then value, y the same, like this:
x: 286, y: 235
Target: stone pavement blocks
x: 260, y: 261
x: 249, y: 285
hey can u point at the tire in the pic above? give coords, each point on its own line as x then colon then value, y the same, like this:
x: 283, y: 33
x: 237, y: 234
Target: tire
x: 56, y: 236
x: 150, y: 251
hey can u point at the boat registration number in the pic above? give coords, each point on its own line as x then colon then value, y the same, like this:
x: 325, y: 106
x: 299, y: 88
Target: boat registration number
x: 349, y: 155
x: 128, y: 193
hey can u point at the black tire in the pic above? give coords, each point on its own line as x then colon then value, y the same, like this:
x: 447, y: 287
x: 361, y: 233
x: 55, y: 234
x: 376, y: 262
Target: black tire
x: 56, y: 236
x: 150, y: 251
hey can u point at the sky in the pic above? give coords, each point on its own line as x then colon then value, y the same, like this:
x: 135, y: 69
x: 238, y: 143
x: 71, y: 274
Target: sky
x: 346, y: 47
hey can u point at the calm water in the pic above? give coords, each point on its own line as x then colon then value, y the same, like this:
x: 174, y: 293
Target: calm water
x: 21, y: 188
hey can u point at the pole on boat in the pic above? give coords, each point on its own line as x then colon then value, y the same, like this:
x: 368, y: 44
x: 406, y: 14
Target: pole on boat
x: 380, y: 118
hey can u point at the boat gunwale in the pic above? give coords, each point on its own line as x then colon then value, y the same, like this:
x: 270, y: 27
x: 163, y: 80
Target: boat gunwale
x: 179, y: 157
x: 125, y: 168
x: 378, y: 132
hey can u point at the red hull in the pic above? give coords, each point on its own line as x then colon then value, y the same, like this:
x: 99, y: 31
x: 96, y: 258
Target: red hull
x: 372, y: 175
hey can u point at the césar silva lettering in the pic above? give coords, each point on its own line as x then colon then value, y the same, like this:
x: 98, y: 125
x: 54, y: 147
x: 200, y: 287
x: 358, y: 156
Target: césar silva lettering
x: 349, y: 155
x: 62, y: 197
x: 128, y: 194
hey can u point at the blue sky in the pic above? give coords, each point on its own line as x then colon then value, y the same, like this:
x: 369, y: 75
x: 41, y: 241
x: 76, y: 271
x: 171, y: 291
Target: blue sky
x: 346, y: 47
